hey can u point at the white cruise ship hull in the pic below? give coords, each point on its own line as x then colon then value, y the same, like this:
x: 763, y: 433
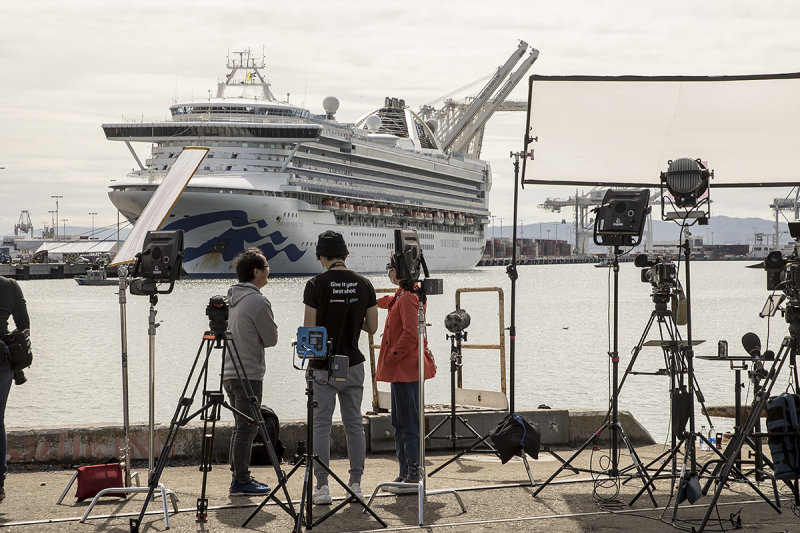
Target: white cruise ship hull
x: 218, y: 226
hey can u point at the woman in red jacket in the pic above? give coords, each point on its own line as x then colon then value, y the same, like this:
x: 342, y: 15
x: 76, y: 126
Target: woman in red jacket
x: 398, y: 364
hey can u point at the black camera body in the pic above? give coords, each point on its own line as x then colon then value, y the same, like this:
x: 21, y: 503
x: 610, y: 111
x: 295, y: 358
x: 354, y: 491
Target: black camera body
x: 661, y: 275
x: 217, y: 313
x: 17, y: 348
x: 659, y: 272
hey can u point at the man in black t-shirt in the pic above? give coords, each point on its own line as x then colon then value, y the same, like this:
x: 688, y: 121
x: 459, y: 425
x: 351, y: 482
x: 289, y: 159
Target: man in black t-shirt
x: 345, y: 304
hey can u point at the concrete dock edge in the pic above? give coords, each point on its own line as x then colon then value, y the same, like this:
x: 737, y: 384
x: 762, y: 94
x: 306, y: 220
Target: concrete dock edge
x: 92, y: 444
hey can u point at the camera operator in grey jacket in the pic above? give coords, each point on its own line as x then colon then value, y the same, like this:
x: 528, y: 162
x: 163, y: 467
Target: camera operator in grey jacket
x: 253, y: 328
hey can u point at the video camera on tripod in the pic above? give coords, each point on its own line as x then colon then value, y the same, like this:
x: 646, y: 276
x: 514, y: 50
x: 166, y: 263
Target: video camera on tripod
x: 662, y: 274
x: 784, y: 274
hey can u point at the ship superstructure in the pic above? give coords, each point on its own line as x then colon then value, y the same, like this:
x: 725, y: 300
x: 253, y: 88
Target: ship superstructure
x: 276, y: 175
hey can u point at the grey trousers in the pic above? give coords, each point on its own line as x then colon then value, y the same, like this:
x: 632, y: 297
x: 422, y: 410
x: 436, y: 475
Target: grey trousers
x: 243, y: 431
x: 349, y: 393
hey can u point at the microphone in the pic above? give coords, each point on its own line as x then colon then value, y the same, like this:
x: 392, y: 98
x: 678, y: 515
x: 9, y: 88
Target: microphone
x: 751, y: 344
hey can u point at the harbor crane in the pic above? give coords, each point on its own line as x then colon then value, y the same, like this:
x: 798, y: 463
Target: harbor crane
x: 24, y: 225
x: 584, y: 204
x: 784, y: 204
x: 460, y: 124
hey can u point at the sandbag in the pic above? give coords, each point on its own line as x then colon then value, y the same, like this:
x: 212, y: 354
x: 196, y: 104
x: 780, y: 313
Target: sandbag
x: 513, y: 434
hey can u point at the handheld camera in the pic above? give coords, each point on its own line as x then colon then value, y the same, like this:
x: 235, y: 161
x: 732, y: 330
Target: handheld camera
x: 17, y: 348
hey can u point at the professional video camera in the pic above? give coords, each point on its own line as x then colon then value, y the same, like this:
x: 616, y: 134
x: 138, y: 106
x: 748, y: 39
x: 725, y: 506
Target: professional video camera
x: 783, y: 273
x: 410, y: 262
x: 659, y: 272
x: 17, y: 348
x: 217, y: 313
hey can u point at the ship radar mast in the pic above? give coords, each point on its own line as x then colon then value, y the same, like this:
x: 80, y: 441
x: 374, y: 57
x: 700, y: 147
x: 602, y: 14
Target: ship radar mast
x: 245, y: 72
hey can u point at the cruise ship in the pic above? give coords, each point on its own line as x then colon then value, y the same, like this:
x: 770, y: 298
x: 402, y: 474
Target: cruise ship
x: 277, y: 175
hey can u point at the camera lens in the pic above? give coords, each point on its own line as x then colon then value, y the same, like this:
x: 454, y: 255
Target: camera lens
x: 19, y: 377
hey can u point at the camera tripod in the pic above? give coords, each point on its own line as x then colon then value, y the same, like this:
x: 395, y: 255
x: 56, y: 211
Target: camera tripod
x: 675, y: 365
x: 612, y: 421
x: 210, y: 412
x: 452, y: 416
x: 307, y: 458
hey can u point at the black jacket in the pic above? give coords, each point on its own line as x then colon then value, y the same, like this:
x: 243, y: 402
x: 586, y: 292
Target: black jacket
x: 12, y: 304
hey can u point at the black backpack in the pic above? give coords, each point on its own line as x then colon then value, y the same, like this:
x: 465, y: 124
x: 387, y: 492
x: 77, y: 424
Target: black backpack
x: 783, y: 427
x: 259, y: 454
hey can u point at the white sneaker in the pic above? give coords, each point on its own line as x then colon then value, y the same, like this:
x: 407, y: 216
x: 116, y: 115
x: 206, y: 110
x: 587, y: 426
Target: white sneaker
x: 322, y: 496
x: 356, y: 488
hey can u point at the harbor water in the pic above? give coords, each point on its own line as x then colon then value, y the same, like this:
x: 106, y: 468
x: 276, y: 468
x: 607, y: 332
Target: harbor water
x: 564, y: 319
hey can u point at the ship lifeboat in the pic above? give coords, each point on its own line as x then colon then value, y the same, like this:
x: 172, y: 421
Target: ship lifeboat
x: 449, y: 219
x: 375, y: 211
x: 438, y: 217
x: 327, y: 203
x: 344, y: 209
x: 460, y: 220
x: 428, y: 216
x: 361, y: 210
x: 419, y: 215
x: 387, y: 211
x: 469, y: 220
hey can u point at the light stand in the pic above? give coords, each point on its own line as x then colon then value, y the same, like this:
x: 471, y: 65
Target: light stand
x: 612, y: 422
x: 306, y: 457
x: 453, y: 417
x: 619, y: 221
x: 511, y: 270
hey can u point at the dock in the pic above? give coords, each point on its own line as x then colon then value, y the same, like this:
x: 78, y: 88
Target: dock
x: 23, y: 271
x: 495, y: 496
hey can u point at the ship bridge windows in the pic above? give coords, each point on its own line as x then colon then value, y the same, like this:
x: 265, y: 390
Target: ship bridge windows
x: 154, y: 132
x: 270, y: 111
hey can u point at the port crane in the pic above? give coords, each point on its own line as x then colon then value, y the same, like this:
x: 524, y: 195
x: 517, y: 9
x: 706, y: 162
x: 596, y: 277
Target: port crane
x: 24, y: 225
x: 584, y: 204
x: 460, y: 123
x: 785, y: 204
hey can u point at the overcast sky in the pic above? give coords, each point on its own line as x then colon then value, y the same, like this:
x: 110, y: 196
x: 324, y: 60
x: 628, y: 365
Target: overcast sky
x: 68, y: 67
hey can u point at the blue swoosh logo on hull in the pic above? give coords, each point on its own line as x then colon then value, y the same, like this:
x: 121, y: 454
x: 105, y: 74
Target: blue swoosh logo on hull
x: 241, y: 231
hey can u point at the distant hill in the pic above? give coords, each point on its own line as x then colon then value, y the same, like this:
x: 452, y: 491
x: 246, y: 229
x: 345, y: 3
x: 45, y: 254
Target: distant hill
x: 720, y: 230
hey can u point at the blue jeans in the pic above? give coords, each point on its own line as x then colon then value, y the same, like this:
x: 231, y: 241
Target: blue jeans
x: 5, y: 387
x: 243, y: 431
x: 405, y: 420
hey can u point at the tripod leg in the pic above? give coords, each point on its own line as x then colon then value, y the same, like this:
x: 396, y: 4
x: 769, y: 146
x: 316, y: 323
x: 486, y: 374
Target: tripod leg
x: 668, y: 459
x: 459, y: 454
x: 638, y: 464
x: 569, y: 461
x: 739, y: 439
x: 279, y: 486
x: 352, y: 497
